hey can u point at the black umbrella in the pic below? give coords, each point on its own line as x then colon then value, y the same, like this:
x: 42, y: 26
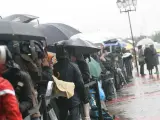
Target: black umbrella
x: 18, y: 31
x: 56, y: 31
x: 110, y: 41
x: 79, y: 46
x: 24, y: 18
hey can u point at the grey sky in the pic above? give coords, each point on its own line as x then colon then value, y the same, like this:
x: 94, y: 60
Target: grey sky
x: 90, y: 15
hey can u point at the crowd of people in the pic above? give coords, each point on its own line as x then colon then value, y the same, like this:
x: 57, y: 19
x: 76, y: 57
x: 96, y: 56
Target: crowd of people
x: 148, y: 56
x: 27, y: 69
x: 39, y: 81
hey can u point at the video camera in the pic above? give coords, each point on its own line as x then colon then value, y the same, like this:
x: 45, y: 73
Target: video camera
x: 5, y: 54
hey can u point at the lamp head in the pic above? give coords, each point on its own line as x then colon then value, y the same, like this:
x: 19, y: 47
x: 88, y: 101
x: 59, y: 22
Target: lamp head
x: 134, y: 2
x: 119, y: 4
x: 124, y: 3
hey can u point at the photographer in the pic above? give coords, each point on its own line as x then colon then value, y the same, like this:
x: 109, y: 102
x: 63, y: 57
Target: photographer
x: 9, y: 109
x: 22, y: 85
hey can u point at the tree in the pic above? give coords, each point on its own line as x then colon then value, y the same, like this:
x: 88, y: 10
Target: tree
x: 156, y: 36
x: 137, y: 38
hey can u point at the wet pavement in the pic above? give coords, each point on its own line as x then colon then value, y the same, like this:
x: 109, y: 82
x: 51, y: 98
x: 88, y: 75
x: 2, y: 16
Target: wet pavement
x: 138, y: 100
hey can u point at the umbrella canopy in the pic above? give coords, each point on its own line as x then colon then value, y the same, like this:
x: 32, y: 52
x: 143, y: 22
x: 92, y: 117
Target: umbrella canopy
x: 115, y: 42
x: 146, y: 41
x: 79, y: 46
x: 99, y: 45
x: 130, y: 41
x: 95, y: 37
x: 94, y: 67
x: 24, y: 18
x: 55, y: 32
x: 157, y: 46
x: 129, y: 46
x: 111, y: 41
x: 18, y: 31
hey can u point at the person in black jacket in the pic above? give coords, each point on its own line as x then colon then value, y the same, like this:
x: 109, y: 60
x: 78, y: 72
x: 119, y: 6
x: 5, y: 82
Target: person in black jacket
x: 106, y: 75
x: 68, y: 71
x: 83, y: 66
x: 84, y: 69
x: 24, y: 89
x: 22, y: 83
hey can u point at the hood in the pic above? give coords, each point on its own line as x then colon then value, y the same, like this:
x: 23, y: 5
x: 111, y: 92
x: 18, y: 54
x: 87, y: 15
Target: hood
x: 3, y: 83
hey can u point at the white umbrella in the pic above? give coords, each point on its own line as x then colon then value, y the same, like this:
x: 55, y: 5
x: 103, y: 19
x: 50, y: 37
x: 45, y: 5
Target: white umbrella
x: 146, y: 41
x: 157, y: 45
x: 130, y: 41
x: 97, y: 37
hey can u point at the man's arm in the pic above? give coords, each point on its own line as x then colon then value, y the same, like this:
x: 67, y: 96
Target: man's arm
x: 28, y: 98
x: 83, y: 66
x: 80, y: 88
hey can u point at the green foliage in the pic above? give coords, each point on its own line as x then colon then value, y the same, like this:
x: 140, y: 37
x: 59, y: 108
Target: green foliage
x: 137, y: 38
x: 156, y: 36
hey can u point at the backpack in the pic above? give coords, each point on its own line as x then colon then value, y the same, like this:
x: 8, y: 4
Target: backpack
x: 95, y: 116
x: 28, y: 54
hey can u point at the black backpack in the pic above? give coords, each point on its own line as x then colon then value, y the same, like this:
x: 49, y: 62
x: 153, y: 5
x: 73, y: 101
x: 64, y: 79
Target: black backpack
x: 27, y: 54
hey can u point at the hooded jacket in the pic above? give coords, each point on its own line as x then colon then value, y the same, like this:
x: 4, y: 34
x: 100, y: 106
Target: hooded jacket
x: 22, y: 84
x: 83, y: 66
x: 70, y: 72
x: 9, y: 109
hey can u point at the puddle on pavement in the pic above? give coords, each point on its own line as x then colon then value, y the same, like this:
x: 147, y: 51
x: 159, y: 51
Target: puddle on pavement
x: 137, y: 102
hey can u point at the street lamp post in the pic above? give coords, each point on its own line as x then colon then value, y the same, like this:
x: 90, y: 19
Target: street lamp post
x: 128, y: 6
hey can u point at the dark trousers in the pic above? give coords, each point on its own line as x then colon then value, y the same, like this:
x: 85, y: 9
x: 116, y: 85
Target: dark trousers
x: 108, y: 87
x: 74, y: 113
x: 150, y: 72
x: 156, y: 68
x: 142, y: 69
